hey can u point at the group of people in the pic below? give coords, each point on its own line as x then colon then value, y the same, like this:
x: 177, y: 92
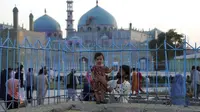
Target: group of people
x: 97, y: 82
x: 193, y: 83
x: 12, y: 81
x: 13, y: 85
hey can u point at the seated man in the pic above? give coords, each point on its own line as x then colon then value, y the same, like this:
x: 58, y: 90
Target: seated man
x: 122, y: 87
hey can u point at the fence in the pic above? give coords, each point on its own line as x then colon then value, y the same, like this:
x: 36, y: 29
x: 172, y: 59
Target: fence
x: 62, y: 57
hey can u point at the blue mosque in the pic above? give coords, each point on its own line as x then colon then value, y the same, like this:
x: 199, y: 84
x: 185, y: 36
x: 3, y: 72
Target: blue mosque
x: 97, y: 30
x: 48, y: 25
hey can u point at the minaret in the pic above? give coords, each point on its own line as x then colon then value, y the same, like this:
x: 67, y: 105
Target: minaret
x: 69, y: 19
x: 130, y: 26
x: 31, y: 22
x: 15, y: 18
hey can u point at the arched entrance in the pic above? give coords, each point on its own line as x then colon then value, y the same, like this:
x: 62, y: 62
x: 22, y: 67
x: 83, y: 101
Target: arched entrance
x: 83, y: 61
x: 143, y: 63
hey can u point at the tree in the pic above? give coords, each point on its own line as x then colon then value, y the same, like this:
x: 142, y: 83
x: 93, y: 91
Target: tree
x: 173, y: 39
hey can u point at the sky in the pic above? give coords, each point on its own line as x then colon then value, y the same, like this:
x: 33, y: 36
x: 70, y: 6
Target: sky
x: 182, y: 15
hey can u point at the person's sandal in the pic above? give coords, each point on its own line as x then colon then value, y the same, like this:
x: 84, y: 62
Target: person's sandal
x: 103, y: 102
x: 98, y: 102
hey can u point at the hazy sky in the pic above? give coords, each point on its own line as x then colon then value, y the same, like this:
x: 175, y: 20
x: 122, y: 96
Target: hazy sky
x: 182, y: 15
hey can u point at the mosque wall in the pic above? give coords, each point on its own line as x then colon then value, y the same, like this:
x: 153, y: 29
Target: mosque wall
x: 89, y: 28
x: 31, y: 36
x: 90, y: 38
x: 32, y: 57
x: 133, y: 59
x: 9, y: 56
x: 57, y: 34
x: 139, y: 36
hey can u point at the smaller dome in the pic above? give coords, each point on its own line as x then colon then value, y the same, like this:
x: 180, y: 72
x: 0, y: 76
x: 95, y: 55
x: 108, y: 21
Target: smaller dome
x: 46, y: 24
x: 15, y: 9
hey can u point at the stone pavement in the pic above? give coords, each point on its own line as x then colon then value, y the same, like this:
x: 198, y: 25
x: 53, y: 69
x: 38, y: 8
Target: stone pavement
x: 77, y: 106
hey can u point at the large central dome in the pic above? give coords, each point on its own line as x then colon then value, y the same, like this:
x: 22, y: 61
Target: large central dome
x: 97, y: 16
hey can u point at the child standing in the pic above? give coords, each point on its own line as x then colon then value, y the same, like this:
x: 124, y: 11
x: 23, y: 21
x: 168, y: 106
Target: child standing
x: 99, y: 83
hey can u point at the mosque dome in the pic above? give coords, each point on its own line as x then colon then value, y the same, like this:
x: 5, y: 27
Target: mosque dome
x: 97, y: 16
x: 46, y: 23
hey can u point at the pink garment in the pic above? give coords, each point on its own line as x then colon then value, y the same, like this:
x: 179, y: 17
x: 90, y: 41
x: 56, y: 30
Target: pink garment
x: 89, y: 77
x: 13, y: 88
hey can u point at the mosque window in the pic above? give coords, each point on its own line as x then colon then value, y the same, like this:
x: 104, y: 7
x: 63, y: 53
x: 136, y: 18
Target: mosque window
x: 77, y: 44
x: 89, y: 29
x: 105, y: 28
x: 49, y: 34
x: 55, y: 35
x: 98, y: 28
x: 70, y: 43
x: 81, y: 29
x: 60, y: 35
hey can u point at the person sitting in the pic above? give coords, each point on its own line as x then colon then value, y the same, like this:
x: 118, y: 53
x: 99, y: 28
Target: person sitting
x: 122, y: 87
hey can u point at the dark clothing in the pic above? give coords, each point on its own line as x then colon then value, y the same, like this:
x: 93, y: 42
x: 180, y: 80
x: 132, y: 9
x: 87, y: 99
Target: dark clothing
x: 198, y: 90
x: 3, y: 84
x: 21, y: 78
x: 71, y: 81
x: 29, y: 79
x: 12, y: 104
x: 86, y: 91
x: 29, y: 93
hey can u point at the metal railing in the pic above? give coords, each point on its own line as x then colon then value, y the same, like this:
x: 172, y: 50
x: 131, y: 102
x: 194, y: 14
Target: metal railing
x: 62, y: 57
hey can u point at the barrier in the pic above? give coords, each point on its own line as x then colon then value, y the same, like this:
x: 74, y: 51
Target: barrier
x: 62, y: 57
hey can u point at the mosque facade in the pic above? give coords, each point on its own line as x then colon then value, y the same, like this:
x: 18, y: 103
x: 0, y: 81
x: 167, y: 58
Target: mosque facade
x: 97, y: 30
x: 99, y: 27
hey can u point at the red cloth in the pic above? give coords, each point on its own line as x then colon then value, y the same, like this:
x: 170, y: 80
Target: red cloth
x: 89, y: 77
x: 99, y: 78
x: 140, y: 76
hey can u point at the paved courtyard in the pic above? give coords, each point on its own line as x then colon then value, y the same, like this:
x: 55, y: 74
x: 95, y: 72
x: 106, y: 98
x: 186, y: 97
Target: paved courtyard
x: 61, y: 104
x: 92, y: 107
